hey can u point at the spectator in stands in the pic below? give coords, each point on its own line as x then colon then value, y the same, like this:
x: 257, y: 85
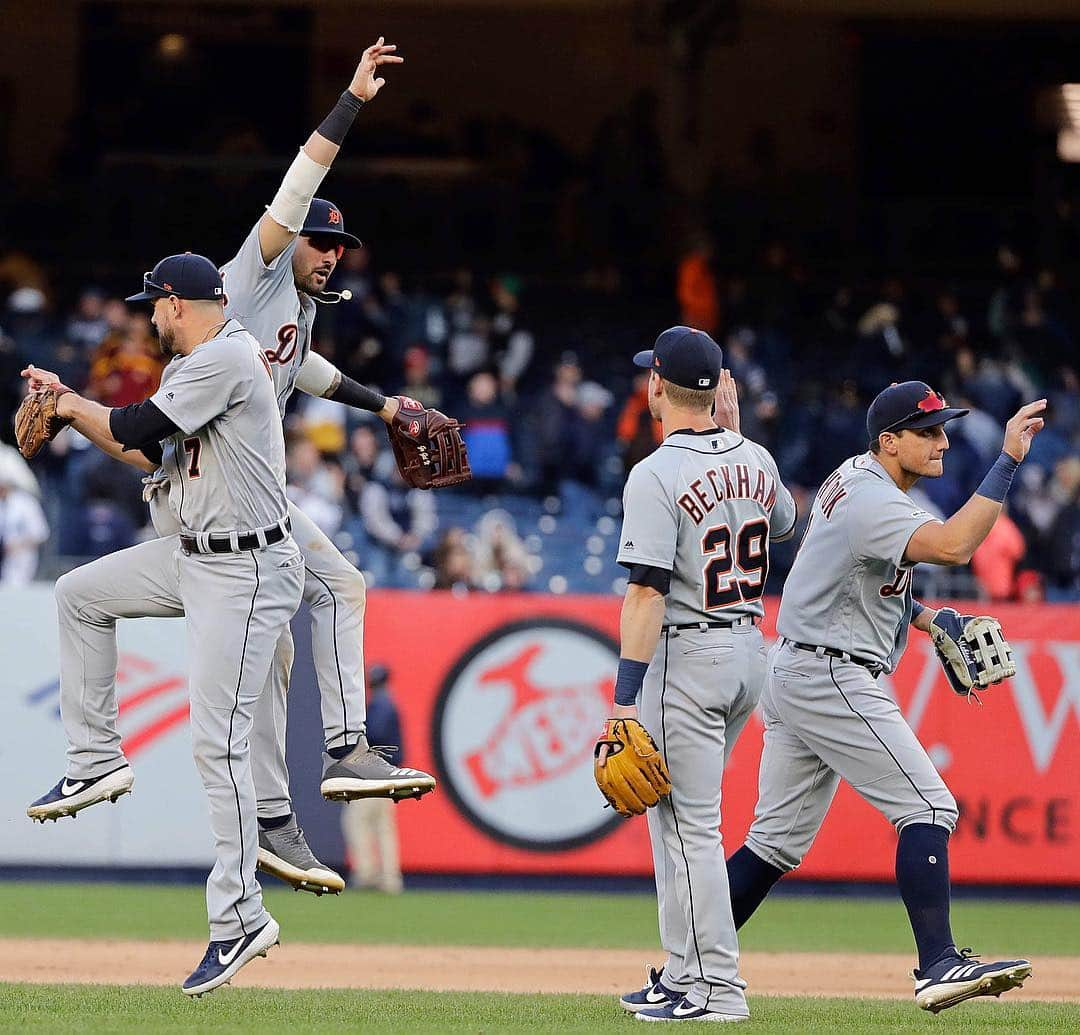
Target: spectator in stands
x: 501, y: 560
x: 23, y: 527
x: 454, y: 564
x: 997, y: 559
x: 696, y: 286
x: 397, y: 518
x: 359, y: 464
x: 370, y: 824
x: 418, y: 384
x: 128, y: 369
x: 636, y: 432
x: 1061, y: 541
x: 554, y: 419
x: 314, y: 485
x: 589, y: 449
x: 487, y: 435
x: 510, y: 342
x: 87, y: 325
x: 758, y: 406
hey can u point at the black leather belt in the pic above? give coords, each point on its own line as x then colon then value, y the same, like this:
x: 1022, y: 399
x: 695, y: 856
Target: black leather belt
x: 744, y: 620
x: 875, y: 668
x: 222, y: 542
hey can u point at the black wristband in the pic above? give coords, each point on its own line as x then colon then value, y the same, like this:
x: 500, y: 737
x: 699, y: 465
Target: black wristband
x: 352, y: 393
x: 337, y: 124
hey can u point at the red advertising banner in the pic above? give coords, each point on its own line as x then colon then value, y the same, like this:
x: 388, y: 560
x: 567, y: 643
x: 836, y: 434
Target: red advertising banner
x: 505, y: 695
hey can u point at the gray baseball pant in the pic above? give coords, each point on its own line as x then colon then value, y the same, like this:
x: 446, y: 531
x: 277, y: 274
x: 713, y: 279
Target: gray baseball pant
x: 827, y: 719
x: 236, y: 607
x: 699, y: 691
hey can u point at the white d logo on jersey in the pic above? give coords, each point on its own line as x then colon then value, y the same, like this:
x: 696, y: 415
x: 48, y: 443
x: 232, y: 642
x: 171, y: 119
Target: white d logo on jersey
x: 514, y: 730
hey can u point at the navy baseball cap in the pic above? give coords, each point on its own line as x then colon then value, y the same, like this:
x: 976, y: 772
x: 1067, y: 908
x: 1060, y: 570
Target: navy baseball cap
x: 185, y: 276
x: 912, y: 404
x: 324, y: 218
x: 686, y: 357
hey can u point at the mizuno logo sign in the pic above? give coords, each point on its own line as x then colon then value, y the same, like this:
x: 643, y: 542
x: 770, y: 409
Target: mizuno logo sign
x: 628, y: 545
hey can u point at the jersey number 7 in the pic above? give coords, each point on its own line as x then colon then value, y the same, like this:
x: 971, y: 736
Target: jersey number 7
x: 732, y: 577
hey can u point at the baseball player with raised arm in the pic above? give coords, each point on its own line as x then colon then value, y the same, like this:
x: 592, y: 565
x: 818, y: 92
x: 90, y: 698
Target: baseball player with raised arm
x: 843, y: 621
x: 698, y: 516
x: 233, y: 570
x: 273, y: 284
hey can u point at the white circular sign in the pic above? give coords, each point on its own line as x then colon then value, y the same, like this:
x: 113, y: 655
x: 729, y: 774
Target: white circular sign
x: 514, y: 730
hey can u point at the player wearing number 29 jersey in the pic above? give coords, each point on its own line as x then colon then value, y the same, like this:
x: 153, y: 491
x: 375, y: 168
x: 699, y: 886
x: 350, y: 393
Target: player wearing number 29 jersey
x: 704, y: 506
x: 698, y: 516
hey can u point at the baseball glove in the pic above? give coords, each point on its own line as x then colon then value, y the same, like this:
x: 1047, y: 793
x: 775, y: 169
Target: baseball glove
x: 36, y: 421
x: 972, y: 650
x: 634, y: 777
x: 428, y: 446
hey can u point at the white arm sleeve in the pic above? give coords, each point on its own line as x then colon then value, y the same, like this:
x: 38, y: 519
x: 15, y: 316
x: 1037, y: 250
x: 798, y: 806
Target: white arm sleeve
x: 317, y: 375
x: 293, y: 199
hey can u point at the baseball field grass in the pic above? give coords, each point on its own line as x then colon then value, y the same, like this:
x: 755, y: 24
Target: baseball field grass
x: 518, y: 922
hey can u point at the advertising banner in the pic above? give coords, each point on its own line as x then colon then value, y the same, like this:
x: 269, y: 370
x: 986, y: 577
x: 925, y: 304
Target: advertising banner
x: 502, y: 697
x: 505, y: 701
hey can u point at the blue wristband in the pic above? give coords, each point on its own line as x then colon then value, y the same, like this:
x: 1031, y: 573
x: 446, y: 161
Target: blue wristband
x: 629, y: 679
x: 916, y: 609
x: 995, y: 486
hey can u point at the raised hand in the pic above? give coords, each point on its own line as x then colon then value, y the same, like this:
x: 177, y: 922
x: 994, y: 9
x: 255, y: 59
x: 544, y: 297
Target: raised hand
x: 1023, y: 426
x: 727, y: 402
x: 365, y: 82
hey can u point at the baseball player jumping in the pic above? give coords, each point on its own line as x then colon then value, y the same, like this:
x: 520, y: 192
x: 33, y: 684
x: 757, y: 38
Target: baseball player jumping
x: 272, y: 285
x: 233, y: 570
x: 698, y: 516
x: 272, y: 281
x: 843, y: 621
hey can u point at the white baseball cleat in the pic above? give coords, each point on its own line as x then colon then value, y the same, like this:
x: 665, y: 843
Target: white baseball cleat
x: 958, y: 977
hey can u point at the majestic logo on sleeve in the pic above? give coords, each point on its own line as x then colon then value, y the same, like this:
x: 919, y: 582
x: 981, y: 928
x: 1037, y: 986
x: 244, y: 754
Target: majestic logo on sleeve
x: 514, y: 729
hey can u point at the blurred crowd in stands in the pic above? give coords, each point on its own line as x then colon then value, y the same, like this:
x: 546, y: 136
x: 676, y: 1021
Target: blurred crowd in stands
x: 555, y: 415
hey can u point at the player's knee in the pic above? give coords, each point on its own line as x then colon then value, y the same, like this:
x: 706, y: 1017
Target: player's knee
x: 784, y: 855
x: 344, y: 587
x: 70, y: 590
x: 939, y: 809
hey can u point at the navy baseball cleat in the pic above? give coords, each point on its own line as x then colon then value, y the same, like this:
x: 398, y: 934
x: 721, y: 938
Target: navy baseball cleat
x: 681, y: 1010
x: 70, y: 796
x: 224, y: 959
x: 959, y: 976
x: 654, y: 994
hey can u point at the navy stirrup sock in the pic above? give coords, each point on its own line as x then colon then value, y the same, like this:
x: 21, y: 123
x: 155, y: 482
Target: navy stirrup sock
x: 750, y: 880
x: 922, y: 875
x: 274, y: 821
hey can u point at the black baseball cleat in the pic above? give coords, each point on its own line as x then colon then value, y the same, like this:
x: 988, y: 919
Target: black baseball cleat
x: 70, y: 796
x: 960, y: 976
x: 365, y: 772
x: 653, y: 995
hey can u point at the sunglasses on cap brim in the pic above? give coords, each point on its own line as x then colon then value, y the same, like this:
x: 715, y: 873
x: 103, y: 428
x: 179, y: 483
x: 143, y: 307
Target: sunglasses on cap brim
x: 324, y: 242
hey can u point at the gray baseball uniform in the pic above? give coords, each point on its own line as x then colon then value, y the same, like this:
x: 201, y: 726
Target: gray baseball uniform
x: 264, y: 297
x: 226, y: 470
x: 848, y: 593
x: 703, y: 506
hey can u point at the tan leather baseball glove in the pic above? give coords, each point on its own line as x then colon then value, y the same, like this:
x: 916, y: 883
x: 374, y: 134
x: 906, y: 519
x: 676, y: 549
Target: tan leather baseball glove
x: 36, y: 421
x: 634, y: 776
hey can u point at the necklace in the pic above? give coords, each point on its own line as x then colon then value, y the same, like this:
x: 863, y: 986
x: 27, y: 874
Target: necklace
x: 213, y: 330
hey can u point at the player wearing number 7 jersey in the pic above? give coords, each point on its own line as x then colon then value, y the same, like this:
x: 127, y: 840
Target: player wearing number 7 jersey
x: 698, y: 516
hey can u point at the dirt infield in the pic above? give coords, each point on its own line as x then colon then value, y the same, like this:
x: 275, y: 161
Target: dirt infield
x: 463, y: 968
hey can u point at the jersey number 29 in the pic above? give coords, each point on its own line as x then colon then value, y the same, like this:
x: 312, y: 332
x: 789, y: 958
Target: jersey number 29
x: 731, y: 577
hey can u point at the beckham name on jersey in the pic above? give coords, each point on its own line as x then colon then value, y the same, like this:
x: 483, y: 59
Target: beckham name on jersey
x: 730, y: 482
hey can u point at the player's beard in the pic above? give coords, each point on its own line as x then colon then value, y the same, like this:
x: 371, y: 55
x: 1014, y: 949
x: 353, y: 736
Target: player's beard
x: 311, y: 285
x: 166, y: 341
